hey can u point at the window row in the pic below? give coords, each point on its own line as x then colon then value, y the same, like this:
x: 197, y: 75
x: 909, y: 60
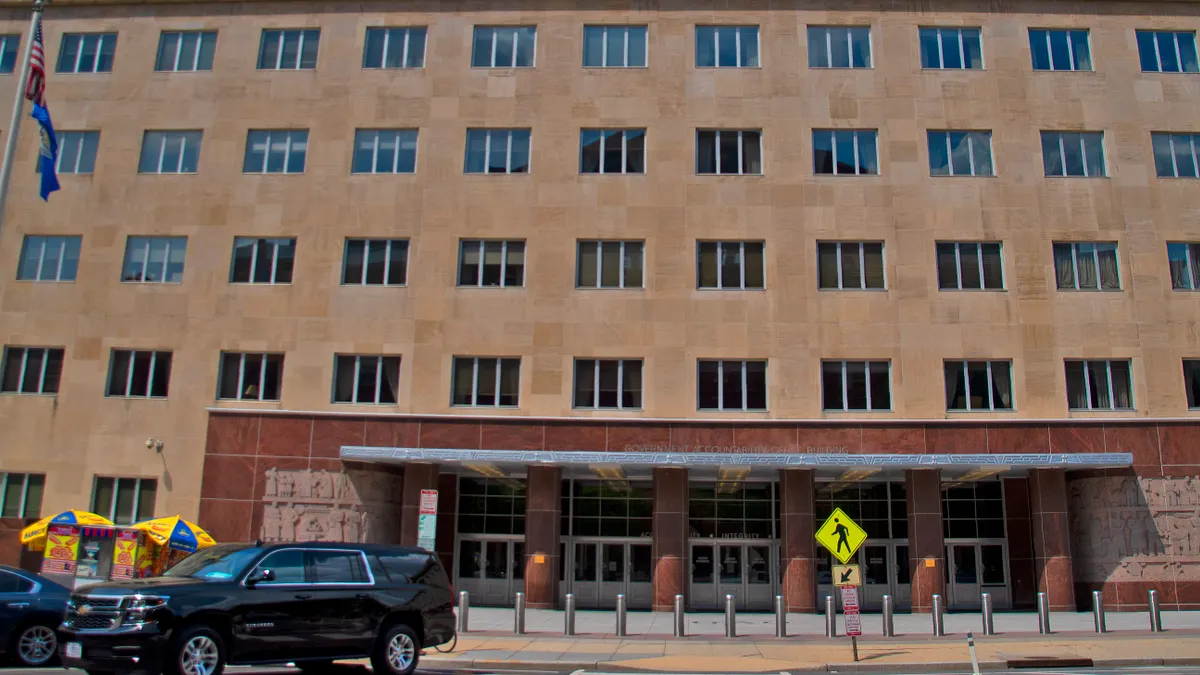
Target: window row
x: 840, y: 152
x: 601, y: 264
x: 722, y: 385
x: 620, y: 46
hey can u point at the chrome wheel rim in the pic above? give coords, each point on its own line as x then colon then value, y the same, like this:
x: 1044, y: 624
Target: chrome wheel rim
x: 401, y: 652
x: 37, y: 645
x: 199, y: 656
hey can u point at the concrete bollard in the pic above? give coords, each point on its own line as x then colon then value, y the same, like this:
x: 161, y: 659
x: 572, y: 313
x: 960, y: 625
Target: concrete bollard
x: 621, y: 626
x: 1098, y: 622
x: 730, y: 617
x: 519, y: 614
x: 1043, y: 606
x: 780, y: 617
x: 1155, y: 615
x: 989, y: 626
x: 830, y: 618
x: 464, y: 611
x: 889, y: 624
x: 680, y: 625
x: 939, y: 626
x: 569, y: 615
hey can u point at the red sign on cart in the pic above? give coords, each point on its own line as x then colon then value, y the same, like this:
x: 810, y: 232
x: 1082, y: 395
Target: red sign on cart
x: 850, y: 610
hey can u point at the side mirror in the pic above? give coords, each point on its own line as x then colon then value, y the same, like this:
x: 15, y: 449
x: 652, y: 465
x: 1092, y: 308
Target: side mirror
x: 260, y: 575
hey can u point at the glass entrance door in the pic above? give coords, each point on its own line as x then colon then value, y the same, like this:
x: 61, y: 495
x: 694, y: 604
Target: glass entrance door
x: 742, y: 570
x: 491, y: 570
x: 962, y: 576
x: 885, y: 571
x: 602, y: 570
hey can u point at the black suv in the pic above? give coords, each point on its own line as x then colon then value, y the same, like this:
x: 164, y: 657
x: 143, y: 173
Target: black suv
x: 308, y: 604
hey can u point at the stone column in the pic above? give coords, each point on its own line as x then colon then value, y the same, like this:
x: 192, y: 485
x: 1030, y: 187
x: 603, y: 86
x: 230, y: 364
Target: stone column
x: 670, y: 531
x: 447, y: 520
x: 799, y: 554
x: 417, y: 476
x: 1022, y: 581
x: 925, y: 540
x: 1051, y: 541
x: 543, y: 514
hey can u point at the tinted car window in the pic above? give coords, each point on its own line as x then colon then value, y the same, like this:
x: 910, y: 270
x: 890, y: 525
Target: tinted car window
x: 336, y: 567
x: 11, y: 583
x: 405, y: 567
x: 288, y: 566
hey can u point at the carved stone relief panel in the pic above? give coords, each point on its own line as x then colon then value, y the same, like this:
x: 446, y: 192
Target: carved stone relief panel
x: 1127, y: 528
x: 353, y: 506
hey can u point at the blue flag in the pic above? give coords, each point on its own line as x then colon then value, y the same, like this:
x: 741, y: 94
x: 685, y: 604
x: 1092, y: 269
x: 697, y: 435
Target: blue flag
x: 48, y: 152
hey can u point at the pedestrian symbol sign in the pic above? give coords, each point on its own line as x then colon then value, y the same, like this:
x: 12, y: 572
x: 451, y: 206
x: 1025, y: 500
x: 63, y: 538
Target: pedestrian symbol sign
x: 841, y: 536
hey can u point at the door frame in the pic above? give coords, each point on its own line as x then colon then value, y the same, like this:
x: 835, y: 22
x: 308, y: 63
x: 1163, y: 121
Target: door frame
x: 567, y: 580
x: 1001, y: 593
x: 717, y: 603
x: 512, y: 584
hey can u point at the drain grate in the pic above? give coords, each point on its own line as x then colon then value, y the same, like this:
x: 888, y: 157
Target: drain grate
x: 1048, y: 662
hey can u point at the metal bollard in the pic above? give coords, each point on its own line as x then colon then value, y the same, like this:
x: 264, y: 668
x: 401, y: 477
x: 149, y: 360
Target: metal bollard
x: 464, y: 611
x: 830, y: 618
x: 519, y: 614
x: 939, y: 626
x: 569, y: 615
x: 680, y: 626
x: 730, y: 617
x: 989, y: 626
x: 780, y: 617
x: 621, y: 615
x: 889, y: 626
x: 1043, y: 613
x: 1098, y: 612
x: 1155, y: 615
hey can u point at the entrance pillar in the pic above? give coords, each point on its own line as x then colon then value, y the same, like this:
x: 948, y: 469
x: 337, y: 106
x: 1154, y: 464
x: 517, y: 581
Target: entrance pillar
x: 1051, y: 545
x: 925, y: 541
x: 670, y: 531
x: 799, y: 546
x: 543, y: 514
x: 417, y: 476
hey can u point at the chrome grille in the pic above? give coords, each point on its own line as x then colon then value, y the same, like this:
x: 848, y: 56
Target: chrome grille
x: 101, y: 613
x: 97, y: 601
x: 90, y: 622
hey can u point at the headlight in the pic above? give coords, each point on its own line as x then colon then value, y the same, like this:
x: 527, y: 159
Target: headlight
x: 144, y: 603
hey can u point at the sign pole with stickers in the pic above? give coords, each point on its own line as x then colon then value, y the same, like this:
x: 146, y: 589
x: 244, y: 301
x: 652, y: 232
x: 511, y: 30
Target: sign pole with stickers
x: 843, y: 537
x: 427, y: 520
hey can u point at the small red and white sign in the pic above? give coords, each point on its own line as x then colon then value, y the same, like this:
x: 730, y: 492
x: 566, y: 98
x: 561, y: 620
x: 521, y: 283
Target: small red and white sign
x: 428, y: 503
x: 850, y: 610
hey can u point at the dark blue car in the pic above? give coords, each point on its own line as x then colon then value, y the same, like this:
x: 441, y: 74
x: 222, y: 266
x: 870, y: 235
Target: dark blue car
x: 31, y: 608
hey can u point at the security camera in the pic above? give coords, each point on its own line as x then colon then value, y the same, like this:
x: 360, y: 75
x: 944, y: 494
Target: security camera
x: 154, y: 444
x: 149, y: 443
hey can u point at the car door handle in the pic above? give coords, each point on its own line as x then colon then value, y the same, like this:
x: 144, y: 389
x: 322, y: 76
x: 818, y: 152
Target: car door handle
x: 304, y: 596
x: 18, y: 605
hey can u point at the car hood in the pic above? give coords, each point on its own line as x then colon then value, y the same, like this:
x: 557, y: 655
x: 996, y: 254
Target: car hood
x: 151, y: 586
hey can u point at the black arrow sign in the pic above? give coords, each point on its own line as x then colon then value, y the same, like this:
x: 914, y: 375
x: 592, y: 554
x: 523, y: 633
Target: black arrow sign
x: 846, y: 575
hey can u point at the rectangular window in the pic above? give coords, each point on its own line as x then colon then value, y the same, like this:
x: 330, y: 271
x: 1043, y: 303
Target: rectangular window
x: 1163, y: 51
x: 170, y: 152
x: 497, y: 151
x: 185, y: 51
x: 614, y: 46
x: 960, y: 153
x: 375, y: 262
x: 385, y: 151
x: 289, y: 49
x: 839, y: 47
x: 1099, y: 385
x: 727, y: 46
x: 76, y: 152
x: 21, y: 495
x: 1087, y: 266
x: 1175, y: 155
x: 1191, y: 382
x: 8, y: 52
x: 845, y: 152
x: 487, y: 382
x: 1076, y: 154
x: 970, y: 266
x: 951, y: 48
x: 366, y: 379
x: 394, y: 48
x: 262, y: 261
x: 124, y: 500
x: 730, y: 265
x: 31, y: 370
x: 154, y: 259
x: 49, y: 258
x: 250, y: 377
x: 610, y: 264
x: 856, y: 385
x: 491, y: 263
x: 1060, y: 49
x: 612, y: 151
x: 503, y: 47
x: 139, y: 374
x: 276, y: 151
x: 979, y: 385
x: 87, y: 53
x: 728, y: 152
x: 731, y: 385
x: 1184, y: 261
x: 850, y: 265
x: 604, y: 383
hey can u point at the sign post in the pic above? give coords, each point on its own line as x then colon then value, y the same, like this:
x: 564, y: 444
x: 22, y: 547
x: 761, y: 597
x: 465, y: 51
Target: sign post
x: 843, y: 537
x: 427, y: 520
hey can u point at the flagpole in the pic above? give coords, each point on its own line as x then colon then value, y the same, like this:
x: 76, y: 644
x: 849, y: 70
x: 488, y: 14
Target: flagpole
x: 10, y: 145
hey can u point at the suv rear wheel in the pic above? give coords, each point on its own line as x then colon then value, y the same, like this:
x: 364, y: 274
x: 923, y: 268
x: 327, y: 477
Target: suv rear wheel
x: 197, y: 650
x: 397, y: 651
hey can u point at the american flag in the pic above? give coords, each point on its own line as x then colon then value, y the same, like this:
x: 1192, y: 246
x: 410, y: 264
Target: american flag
x: 36, y: 89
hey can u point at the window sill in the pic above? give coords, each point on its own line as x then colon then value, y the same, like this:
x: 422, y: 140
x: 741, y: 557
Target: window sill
x: 31, y: 394
x: 842, y: 68
x: 467, y: 406
x: 1081, y: 177
x: 947, y: 175
x: 709, y: 289
x: 246, y: 401
x: 259, y: 283
x: 610, y: 288
x: 856, y: 411
x: 972, y: 290
x: 135, y: 398
x: 847, y: 175
x: 733, y: 410
x: 491, y: 288
x: 587, y: 68
x: 926, y: 69
x: 346, y: 285
x: 383, y: 173
x: 1101, y: 411
x: 853, y: 290
x: 133, y: 282
x: 956, y: 412
x: 47, y: 281
x: 611, y: 410
x: 1091, y: 290
x: 168, y: 173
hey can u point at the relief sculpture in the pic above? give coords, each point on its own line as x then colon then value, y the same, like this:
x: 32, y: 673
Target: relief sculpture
x: 306, y: 505
x: 1135, y: 529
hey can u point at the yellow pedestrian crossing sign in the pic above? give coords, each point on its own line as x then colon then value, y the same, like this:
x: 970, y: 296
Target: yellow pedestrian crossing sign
x: 841, y: 536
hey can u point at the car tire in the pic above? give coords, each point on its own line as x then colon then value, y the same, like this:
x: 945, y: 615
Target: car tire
x: 196, y: 650
x: 35, y: 645
x: 397, y: 651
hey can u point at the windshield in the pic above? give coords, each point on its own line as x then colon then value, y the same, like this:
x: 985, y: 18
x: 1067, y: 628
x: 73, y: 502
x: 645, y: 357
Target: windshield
x: 223, y: 561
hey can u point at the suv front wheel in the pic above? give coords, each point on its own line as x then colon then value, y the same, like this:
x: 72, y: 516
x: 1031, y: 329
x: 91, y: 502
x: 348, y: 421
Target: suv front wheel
x: 197, y: 650
x: 396, y: 653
